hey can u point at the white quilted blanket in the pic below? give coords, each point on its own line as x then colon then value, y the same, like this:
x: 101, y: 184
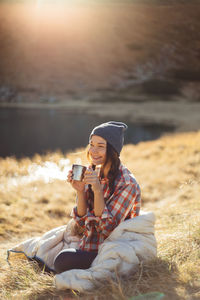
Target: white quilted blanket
x: 130, y: 242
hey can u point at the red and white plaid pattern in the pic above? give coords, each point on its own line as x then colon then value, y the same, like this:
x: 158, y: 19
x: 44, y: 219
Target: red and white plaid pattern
x: 123, y: 204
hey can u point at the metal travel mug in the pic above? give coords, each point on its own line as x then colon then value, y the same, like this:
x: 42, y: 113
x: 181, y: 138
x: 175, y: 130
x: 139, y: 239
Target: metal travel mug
x: 78, y: 172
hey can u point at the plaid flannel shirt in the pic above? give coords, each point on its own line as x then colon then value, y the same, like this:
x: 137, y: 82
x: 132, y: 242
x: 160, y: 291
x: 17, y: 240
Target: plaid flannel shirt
x: 123, y: 204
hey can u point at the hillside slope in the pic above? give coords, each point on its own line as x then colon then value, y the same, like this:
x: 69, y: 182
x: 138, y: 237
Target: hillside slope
x: 68, y: 52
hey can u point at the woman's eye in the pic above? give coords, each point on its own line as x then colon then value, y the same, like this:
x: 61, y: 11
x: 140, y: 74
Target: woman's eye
x: 97, y: 147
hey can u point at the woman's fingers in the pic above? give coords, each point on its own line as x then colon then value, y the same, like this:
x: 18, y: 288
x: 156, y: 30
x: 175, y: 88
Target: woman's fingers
x: 69, y: 176
x: 91, y: 172
x: 90, y: 177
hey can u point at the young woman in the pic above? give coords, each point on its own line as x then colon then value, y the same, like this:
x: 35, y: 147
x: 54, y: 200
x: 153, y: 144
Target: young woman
x: 103, y: 201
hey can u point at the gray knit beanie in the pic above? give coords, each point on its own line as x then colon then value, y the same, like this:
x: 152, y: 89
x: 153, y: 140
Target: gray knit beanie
x: 112, y: 132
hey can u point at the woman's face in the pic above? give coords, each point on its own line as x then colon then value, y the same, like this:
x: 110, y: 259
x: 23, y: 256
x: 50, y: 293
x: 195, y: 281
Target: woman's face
x: 97, y: 150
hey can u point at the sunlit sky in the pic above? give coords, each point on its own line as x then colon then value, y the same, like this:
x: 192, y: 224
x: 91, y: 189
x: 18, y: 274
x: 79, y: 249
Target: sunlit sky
x: 56, y: 9
x: 55, y: 2
x: 64, y: 2
x: 52, y: 14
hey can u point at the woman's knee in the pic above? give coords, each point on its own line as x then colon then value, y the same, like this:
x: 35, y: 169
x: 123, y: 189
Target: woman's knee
x: 58, y: 263
x: 73, y: 259
x: 65, y: 260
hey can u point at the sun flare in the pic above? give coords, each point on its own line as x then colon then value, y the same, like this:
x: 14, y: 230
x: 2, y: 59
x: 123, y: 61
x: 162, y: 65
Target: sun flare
x: 44, y: 3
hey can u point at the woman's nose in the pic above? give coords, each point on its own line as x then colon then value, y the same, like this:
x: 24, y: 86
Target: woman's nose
x: 94, y: 150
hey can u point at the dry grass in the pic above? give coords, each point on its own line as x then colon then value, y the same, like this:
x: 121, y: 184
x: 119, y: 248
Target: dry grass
x: 169, y: 174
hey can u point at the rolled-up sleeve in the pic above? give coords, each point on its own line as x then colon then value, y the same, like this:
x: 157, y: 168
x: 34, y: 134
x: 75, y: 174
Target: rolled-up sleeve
x: 79, y: 220
x: 89, y: 219
x: 124, y: 199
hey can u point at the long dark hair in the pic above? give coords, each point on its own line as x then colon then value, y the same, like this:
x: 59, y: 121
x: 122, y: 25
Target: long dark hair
x: 109, y: 169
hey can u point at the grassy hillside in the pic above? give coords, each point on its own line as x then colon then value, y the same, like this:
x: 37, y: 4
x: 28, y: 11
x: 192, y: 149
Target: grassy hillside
x: 169, y: 174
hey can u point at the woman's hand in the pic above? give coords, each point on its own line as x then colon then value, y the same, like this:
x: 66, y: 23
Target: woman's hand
x: 92, y: 177
x: 79, y: 186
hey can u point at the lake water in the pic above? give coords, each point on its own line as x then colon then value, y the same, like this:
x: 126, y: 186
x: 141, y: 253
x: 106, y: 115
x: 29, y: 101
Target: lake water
x: 24, y: 132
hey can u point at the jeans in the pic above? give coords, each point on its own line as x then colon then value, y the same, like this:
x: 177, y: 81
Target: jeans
x: 73, y: 259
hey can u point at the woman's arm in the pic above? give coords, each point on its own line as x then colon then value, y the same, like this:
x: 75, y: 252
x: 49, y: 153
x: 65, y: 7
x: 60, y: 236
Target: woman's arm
x: 91, y: 177
x: 99, y: 203
x: 81, y: 196
x: 81, y: 203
